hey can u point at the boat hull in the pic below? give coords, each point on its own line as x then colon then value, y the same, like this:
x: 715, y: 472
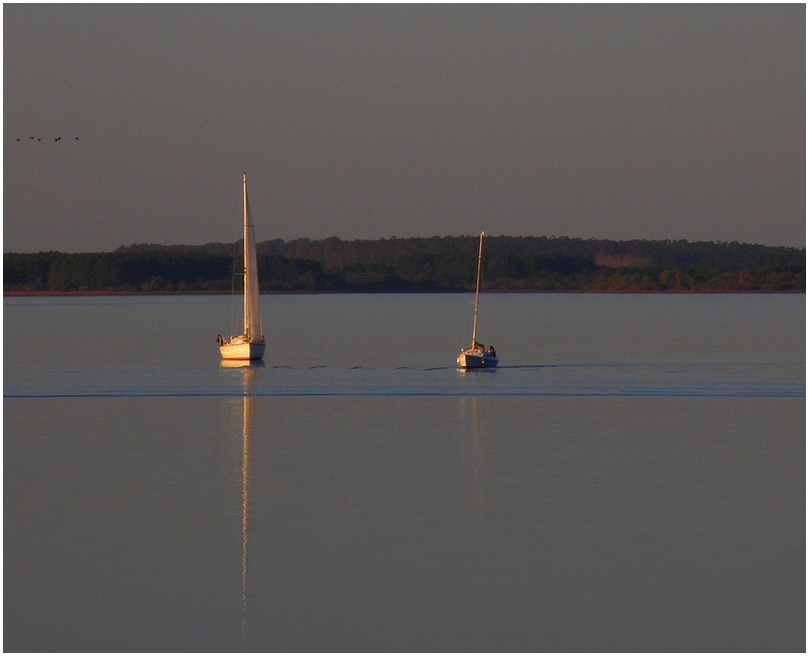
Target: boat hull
x: 477, y: 360
x: 244, y: 351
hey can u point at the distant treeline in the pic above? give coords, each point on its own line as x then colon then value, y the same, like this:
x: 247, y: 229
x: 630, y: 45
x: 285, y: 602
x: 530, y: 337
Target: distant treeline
x: 437, y: 264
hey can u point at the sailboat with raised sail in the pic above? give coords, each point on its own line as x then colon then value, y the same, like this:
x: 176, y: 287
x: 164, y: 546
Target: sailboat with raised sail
x: 478, y: 356
x: 250, y: 344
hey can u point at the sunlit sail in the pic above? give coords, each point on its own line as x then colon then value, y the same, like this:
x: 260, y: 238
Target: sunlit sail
x: 250, y: 344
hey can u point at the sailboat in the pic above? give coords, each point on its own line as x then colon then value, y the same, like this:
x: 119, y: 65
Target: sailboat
x: 250, y: 344
x: 478, y: 356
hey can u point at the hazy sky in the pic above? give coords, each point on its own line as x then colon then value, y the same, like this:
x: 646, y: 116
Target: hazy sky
x: 367, y: 121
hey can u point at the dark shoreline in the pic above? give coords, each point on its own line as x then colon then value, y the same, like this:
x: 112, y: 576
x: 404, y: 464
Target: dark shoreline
x: 434, y: 265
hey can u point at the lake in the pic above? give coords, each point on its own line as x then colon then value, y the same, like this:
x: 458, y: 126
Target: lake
x: 631, y: 478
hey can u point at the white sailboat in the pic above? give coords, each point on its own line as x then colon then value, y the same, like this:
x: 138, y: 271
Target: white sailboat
x: 250, y: 344
x: 478, y: 356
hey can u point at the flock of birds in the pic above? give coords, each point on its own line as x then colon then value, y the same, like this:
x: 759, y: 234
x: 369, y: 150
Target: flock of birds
x: 40, y: 138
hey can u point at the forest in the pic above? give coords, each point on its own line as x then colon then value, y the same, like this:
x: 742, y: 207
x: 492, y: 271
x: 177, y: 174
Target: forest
x: 435, y: 264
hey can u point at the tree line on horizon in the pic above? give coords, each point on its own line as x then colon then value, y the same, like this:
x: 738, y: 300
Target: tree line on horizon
x: 435, y: 264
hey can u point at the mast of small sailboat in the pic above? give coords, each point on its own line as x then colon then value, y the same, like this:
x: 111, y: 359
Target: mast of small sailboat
x: 477, y: 294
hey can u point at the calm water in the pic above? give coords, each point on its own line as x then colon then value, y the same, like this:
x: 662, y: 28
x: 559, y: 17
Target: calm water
x: 631, y: 478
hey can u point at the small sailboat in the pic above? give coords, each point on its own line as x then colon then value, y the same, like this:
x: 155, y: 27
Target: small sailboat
x: 250, y: 344
x: 478, y: 356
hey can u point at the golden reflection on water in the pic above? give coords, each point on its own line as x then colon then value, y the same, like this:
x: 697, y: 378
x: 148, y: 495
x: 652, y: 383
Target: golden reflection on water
x: 242, y: 364
x: 245, y: 504
x: 249, y: 374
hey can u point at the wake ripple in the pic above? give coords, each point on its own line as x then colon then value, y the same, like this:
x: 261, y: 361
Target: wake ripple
x: 685, y: 380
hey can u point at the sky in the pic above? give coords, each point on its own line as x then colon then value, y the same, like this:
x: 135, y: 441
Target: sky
x: 369, y: 121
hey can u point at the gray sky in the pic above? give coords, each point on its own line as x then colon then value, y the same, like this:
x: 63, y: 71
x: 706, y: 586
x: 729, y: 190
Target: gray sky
x: 606, y: 121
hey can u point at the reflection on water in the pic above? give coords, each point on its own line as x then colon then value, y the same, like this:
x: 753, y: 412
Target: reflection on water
x: 471, y: 524
x: 245, y: 508
x: 472, y: 414
x: 242, y: 364
x: 249, y: 376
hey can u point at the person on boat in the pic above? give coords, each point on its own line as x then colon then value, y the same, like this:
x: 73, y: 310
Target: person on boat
x: 491, y: 351
x: 220, y: 340
x: 262, y: 339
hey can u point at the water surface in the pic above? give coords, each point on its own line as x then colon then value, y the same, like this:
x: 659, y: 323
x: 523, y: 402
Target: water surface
x: 632, y: 478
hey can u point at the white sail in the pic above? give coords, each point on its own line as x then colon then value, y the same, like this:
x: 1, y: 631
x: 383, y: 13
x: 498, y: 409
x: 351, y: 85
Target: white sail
x: 252, y: 312
x: 250, y: 344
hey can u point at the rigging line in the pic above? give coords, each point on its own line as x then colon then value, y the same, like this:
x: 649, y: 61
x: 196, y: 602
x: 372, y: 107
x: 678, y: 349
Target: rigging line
x: 236, y: 248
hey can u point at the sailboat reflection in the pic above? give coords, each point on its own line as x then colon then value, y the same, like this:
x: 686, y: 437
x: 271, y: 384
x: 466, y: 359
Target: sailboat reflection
x: 470, y: 409
x: 247, y: 402
x: 239, y: 364
x: 245, y: 507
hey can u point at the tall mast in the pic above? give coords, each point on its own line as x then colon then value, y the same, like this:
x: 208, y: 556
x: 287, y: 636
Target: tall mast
x: 246, y: 260
x: 477, y: 293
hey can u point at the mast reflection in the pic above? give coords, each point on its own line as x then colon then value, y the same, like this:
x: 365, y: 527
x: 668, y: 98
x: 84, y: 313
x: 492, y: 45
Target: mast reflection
x: 471, y: 410
x: 246, y: 433
x: 250, y: 371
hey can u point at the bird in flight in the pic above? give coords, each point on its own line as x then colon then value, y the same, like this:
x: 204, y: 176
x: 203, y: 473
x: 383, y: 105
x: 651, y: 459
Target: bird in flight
x: 40, y: 138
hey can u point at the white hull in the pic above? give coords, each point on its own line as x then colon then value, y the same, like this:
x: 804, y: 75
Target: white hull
x: 244, y: 351
x: 477, y: 359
